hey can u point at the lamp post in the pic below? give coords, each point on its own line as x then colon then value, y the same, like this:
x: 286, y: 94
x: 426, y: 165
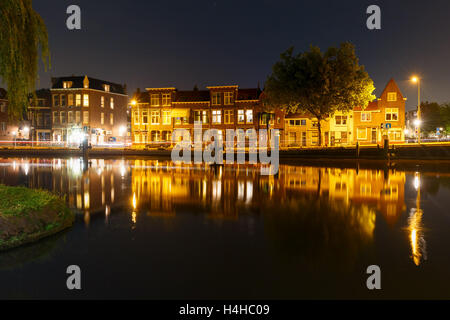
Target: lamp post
x: 417, y: 80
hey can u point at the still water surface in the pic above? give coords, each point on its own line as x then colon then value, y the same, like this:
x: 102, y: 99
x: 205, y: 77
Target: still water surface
x: 154, y: 229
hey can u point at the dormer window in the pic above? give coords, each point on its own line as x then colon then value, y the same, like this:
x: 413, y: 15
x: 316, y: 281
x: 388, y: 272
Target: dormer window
x: 392, y: 96
x: 228, y: 98
x: 67, y: 84
x: 107, y: 87
x: 216, y: 99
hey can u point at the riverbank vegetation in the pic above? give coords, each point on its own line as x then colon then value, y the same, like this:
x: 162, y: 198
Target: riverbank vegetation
x: 27, y: 215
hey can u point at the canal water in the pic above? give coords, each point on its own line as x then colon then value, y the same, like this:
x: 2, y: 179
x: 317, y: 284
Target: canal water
x: 152, y: 229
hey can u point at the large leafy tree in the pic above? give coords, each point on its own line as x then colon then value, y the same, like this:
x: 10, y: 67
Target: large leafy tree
x: 319, y: 83
x: 431, y: 116
x: 23, y: 35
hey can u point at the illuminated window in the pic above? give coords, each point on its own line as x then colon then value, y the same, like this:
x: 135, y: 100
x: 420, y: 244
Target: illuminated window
x: 361, y: 134
x: 107, y: 87
x: 102, y: 118
x: 392, y: 96
x: 395, y: 135
x: 166, y: 99
x: 77, y: 117
x: 56, y: 100
x: 86, y: 117
x: 241, y: 116
x: 154, y: 101
x: 136, y: 117
x: 228, y: 116
x: 205, y: 116
x: 70, y: 96
x: 216, y: 99
x: 366, y: 116
x: 217, y: 116
x: 197, y: 116
x: 391, y: 114
x: 3, y: 107
x: 166, y: 118
x: 228, y: 98
x: 63, y: 100
x: 67, y: 84
x: 111, y: 103
x: 78, y: 100
x: 102, y: 102
x: 85, y: 100
x: 155, y: 117
x: 111, y: 119
x: 144, y: 117
x: 249, y: 115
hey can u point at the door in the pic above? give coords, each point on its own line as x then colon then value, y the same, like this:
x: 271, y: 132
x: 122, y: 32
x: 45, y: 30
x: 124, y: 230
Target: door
x: 374, y: 135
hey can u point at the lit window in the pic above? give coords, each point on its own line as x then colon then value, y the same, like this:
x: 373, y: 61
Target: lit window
x: 136, y: 117
x: 361, y: 134
x: 111, y: 103
x: 166, y: 99
x: 392, y: 96
x: 249, y: 115
x: 216, y: 99
x: 205, y: 116
x: 166, y: 117
x: 228, y: 98
x: 107, y: 87
x: 85, y: 100
x: 56, y: 100
x: 3, y: 107
x: 102, y: 118
x: 197, y: 116
x: 111, y: 119
x: 70, y: 96
x: 77, y: 117
x: 391, y: 114
x: 154, y: 100
x: 155, y: 117
x: 86, y: 117
x: 216, y: 116
x: 102, y: 102
x: 67, y: 84
x: 395, y: 135
x: 241, y: 116
x: 366, y: 116
x: 78, y: 100
x: 228, y: 116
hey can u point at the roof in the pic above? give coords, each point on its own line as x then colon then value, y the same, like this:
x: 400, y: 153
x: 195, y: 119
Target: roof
x: 142, y: 97
x: 249, y: 94
x: 192, y: 96
x: 372, y: 106
x: 97, y: 84
x: 44, y: 94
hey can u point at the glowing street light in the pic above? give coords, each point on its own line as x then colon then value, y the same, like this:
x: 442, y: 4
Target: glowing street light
x: 416, y: 79
x: 133, y: 102
x: 417, y: 123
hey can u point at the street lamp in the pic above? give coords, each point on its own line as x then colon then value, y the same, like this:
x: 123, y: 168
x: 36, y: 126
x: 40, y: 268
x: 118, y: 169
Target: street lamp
x: 417, y: 80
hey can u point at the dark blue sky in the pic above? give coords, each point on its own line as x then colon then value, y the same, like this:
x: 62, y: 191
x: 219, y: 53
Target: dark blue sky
x: 149, y: 43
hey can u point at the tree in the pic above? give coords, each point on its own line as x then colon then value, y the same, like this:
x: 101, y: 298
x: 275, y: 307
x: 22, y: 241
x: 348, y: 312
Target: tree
x: 445, y: 115
x: 23, y: 35
x: 431, y: 116
x: 319, y: 83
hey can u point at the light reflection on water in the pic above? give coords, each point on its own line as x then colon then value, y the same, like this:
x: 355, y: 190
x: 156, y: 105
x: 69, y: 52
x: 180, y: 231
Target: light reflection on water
x: 311, y: 216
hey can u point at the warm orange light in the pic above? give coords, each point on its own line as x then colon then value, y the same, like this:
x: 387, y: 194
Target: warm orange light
x: 414, y: 79
x: 133, y: 102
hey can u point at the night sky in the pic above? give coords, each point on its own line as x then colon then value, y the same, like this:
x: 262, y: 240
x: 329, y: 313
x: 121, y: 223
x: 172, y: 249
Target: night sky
x: 147, y: 43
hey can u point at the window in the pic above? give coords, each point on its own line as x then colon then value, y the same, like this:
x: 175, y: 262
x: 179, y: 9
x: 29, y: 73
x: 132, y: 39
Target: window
x: 67, y: 84
x: 395, y: 135
x: 166, y: 99
x: 55, y: 117
x: 102, y: 118
x: 107, y: 87
x: 216, y: 99
x: 111, y: 119
x: 155, y: 117
x: 3, y: 127
x: 39, y: 119
x: 249, y: 115
x: 77, y: 117
x: 366, y: 116
x: 3, y: 107
x: 205, y: 117
x: 63, y: 117
x: 56, y: 100
x: 102, y: 102
x: 144, y: 117
x: 228, y: 116
x: 85, y: 100
x: 63, y: 100
x: 70, y: 96
x: 216, y: 116
x: 228, y: 98
x: 392, y: 96
x: 166, y: 118
x: 154, y: 100
x: 341, y: 120
x: 85, y: 117
x: 136, y: 117
x: 111, y: 103
x: 70, y: 117
x: 361, y: 134
x: 78, y: 100
x: 391, y: 114
x: 241, y: 116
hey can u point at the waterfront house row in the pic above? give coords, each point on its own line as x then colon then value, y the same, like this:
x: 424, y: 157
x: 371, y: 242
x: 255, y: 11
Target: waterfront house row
x: 157, y: 112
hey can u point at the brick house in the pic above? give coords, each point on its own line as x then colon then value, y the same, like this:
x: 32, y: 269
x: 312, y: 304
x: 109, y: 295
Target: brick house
x: 159, y: 111
x: 88, y: 107
x: 40, y: 116
x: 384, y: 117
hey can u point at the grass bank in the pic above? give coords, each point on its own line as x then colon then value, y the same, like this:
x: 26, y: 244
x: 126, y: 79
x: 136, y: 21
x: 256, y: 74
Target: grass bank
x: 27, y: 215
